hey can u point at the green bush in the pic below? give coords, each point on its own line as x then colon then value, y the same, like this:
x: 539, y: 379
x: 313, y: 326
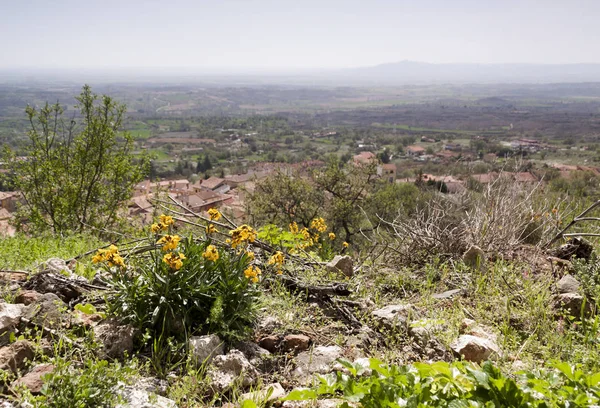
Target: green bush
x: 196, y: 290
x: 92, y: 385
x: 457, y: 385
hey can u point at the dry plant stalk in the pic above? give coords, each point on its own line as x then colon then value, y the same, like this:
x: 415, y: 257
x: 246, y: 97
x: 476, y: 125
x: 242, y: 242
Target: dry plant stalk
x: 503, y: 216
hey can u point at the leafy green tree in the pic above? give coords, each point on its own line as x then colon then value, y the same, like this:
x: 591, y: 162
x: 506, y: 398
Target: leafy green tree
x: 77, y: 173
x: 282, y: 199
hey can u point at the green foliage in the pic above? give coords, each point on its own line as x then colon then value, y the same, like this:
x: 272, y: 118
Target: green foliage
x: 390, y: 200
x: 281, y: 199
x: 278, y: 237
x: 92, y: 385
x: 579, y: 184
x: 458, y: 384
x: 23, y: 252
x: 202, y: 296
x: 76, y: 173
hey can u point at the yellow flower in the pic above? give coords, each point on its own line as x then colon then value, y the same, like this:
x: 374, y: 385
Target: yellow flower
x: 331, y: 236
x: 305, y: 233
x: 228, y: 241
x: 276, y: 259
x: 109, y: 255
x: 241, y: 234
x: 279, y: 272
x: 115, y: 260
x: 214, y: 214
x: 210, y: 229
x: 250, y: 255
x: 345, y: 244
x: 166, y: 220
x: 318, y: 224
x: 155, y: 228
x: 294, y: 228
x: 175, y: 261
x: 252, y: 273
x: 99, y: 257
x: 211, y: 253
x: 169, y: 242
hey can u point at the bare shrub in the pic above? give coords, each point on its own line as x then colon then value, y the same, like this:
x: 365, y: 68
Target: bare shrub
x: 504, y: 215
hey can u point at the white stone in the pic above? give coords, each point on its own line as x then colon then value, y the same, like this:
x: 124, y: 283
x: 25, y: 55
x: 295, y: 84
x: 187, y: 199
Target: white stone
x: 394, y: 315
x: 232, y: 368
x: 319, y: 360
x: 269, y: 393
x: 140, y: 398
x: 205, y: 348
x: 474, y: 348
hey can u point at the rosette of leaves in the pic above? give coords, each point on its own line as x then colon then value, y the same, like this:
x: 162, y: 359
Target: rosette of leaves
x: 202, y: 296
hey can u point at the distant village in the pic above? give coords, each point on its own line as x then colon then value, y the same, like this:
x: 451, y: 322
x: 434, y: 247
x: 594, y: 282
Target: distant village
x: 229, y: 192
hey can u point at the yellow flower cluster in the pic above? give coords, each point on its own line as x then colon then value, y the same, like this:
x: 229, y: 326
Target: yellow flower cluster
x: 175, y: 261
x: 211, y: 253
x: 252, y: 273
x: 211, y: 229
x: 241, y: 234
x: 331, y: 236
x: 165, y: 222
x: 214, y: 214
x: 169, y: 242
x: 318, y: 224
x: 250, y: 256
x: 276, y: 259
x: 109, y: 255
x: 294, y: 228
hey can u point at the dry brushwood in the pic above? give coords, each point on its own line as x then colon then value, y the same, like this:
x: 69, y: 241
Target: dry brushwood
x: 581, y: 217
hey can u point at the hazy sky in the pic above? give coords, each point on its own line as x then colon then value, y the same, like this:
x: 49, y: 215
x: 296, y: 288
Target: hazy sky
x: 301, y: 34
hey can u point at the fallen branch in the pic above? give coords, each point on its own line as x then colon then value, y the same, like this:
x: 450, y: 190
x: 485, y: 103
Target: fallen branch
x: 580, y: 217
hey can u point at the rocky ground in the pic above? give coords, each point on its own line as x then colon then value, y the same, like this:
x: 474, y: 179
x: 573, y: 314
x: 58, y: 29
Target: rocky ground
x: 304, y: 328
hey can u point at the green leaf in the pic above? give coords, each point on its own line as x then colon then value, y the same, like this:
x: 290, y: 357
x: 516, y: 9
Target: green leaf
x: 301, y: 395
x: 87, y: 308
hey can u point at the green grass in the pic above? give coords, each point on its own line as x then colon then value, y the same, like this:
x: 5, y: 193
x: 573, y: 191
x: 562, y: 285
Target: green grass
x: 21, y: 252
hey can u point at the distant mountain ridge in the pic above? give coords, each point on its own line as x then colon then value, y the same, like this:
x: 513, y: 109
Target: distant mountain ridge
x: 411, y: 72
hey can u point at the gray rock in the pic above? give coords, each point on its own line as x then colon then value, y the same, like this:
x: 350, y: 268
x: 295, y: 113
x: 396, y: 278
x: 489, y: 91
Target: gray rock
x: 474, y: 258
x: 205, y: 348
x: 394, y: 315
x: 568, y: 284
x: 152, y: 385
x: 573, y: 304
x: 10, y: 318
x: 140, y: 398
x: 341, y: 263
x: 269, y: 324
x: 469, y: 326
x: 449, y: 294
x: 47, y: 310
x: 55, y: 265
x: 116, y: 339
x: 319, y: 360
x: 269, y: 393
x: 424, y: 330
x: 256, y: 355
x: 473, y: 348
x: 231, y: 369
x: 13, y: 357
